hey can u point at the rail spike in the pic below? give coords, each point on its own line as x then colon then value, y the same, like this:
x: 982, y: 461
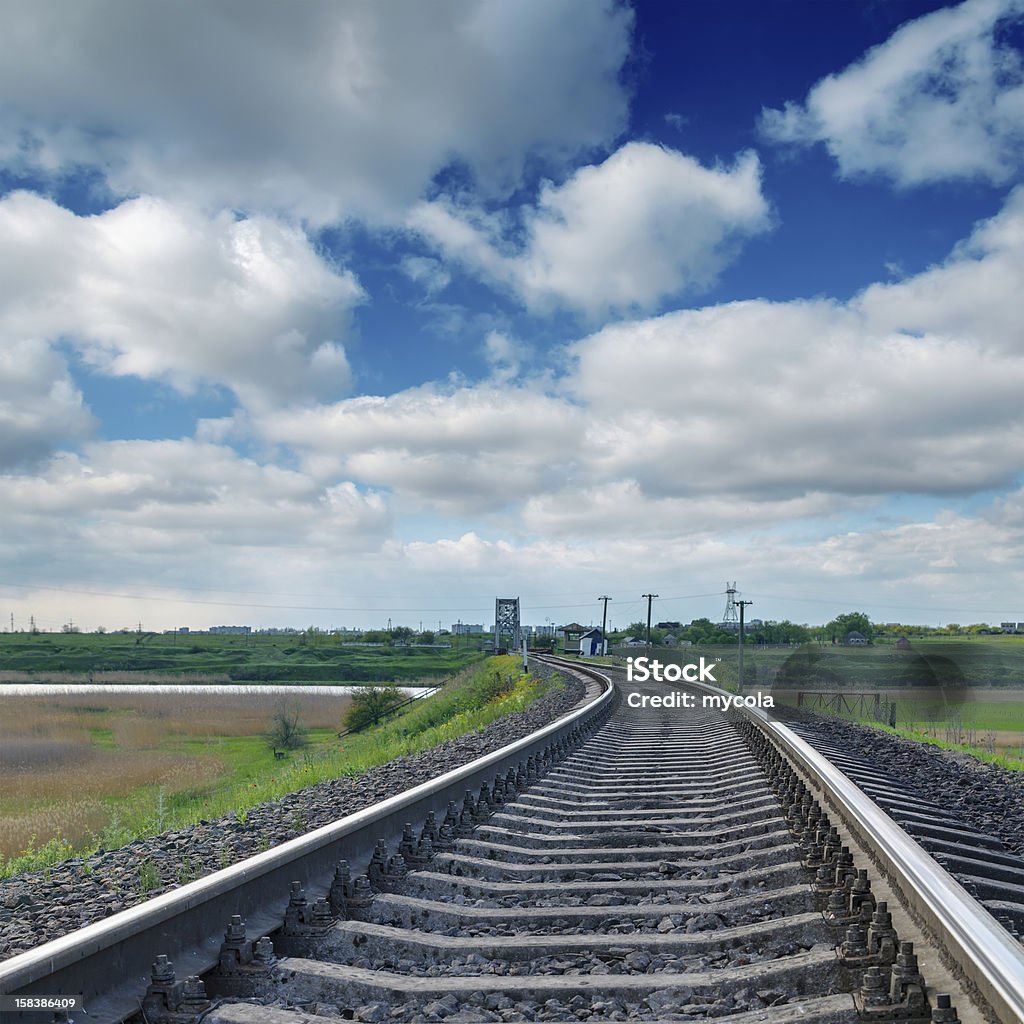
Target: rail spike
x: 944, y: 1012
x: 341, y: 888
x: 236, y: 950
x: 361, y: 899
x: 429, y: 829
x: 169, y: 1001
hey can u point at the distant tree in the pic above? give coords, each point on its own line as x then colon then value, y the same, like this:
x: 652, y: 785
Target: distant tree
x: 704, y: 631
x: 784, y: 632
x: 286, y: 729
x: 376, y: 636
x: 101, y: 629
x: 849, y: 622
x: 402, y: 633
x: 426, y: 637
x: 370, y: 704
x: 638, y: 630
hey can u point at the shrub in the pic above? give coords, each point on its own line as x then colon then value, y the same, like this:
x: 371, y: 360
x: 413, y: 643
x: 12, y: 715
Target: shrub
x: 286, y: 729
x: 370, y: 704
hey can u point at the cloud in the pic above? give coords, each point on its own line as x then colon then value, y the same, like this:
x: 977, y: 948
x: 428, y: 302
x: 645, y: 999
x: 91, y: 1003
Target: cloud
x: 946, y: 560
x: 323, y: 110
x: 163, y: 292
x: 427, y: 271
x: 40, y: 406
x: 180, y: 513
x: 973, y: 294
x: 765, y: 401
x: 948, y: 556
x: 505, y: 356
x: 725, y: 415
x: 941, y: 99
x: 462, y: 450
x: 647, y: 223
x: 602, y: 511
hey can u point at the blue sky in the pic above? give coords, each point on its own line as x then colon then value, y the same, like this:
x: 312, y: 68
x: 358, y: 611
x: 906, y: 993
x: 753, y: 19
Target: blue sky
x: 381, y: 310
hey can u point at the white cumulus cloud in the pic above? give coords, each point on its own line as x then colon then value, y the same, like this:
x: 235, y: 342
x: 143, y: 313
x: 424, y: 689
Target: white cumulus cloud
x: 645, y: 224
x: 322, y: 109
x: 40, y: 406
x: 941, y: 99
x: 181, y: 513
x: 726, y: 415
x: 164, y: 292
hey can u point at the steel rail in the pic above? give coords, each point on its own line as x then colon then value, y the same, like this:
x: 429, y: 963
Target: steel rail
x: 990, y: 958
x: 109, y: 962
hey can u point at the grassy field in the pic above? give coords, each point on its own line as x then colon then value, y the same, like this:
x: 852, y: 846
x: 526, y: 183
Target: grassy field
x: 966, y: 694
x: 989, y: 661
x: 81, y: 772
x: 79, y: 769
x: 296, y: 658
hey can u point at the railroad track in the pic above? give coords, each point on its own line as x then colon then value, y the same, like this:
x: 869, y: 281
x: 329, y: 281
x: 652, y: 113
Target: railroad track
x: 623, y: 864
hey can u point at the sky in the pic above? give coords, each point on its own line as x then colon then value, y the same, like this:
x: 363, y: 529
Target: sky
x: 333, y: 313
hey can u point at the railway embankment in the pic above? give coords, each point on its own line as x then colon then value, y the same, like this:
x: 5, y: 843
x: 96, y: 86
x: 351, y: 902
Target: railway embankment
x: 45, y: 905
x: 984, y: 795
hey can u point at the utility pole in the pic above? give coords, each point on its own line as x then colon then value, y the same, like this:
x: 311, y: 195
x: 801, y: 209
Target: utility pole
x: 650, y: 599
x: 604, y: 624
x: 741, y: 605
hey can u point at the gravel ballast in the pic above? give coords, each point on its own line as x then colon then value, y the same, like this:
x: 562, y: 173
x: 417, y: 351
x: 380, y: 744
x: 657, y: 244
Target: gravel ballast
x: 41, y: 906
x: 986, y: 796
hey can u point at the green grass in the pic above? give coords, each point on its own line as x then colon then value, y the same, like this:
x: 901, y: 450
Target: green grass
x: 251, y: 775
x: 100, y: 736
x: 996, y: 661
x: 293, y: 659
x: 990, y: 730
x: 1009, y: 760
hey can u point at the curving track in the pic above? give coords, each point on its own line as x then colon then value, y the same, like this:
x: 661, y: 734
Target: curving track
x: 628, y: 864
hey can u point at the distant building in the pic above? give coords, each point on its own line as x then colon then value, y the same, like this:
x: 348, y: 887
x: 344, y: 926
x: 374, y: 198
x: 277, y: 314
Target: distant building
x: 571, y: 636
x: 855, y: 639
x: 592, y: 643
x: 468, y: 628
x: 231, y: 630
